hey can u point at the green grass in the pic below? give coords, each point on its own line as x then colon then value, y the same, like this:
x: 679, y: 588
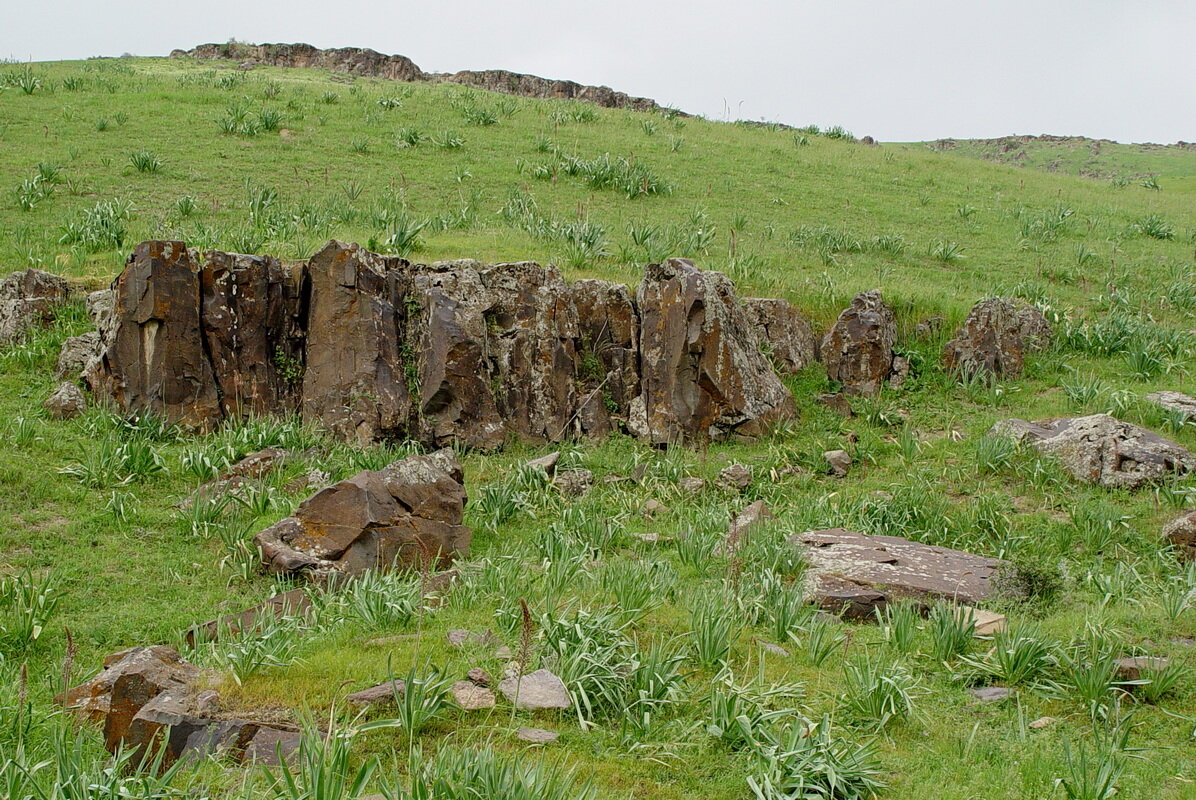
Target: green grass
x: 658, y: 639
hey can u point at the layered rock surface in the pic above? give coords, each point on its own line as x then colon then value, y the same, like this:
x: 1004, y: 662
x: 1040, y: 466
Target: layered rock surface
x: 858, y: 349
x: 995, y: 338
x: 374, y: 348
x: 28, y: 300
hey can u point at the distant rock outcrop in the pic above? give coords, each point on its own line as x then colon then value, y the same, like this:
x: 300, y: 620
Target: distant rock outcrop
x: 364, y: 62
x: 372, y: 348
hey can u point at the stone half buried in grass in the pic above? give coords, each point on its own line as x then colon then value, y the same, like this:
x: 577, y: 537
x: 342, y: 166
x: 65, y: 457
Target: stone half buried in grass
x: 405, y: 515
x: 1101, y: 449
x: 853, y: 574
x: 536, y: 691
x: 858, y: 349
x: 995, y: 338
x: 1180, y: 533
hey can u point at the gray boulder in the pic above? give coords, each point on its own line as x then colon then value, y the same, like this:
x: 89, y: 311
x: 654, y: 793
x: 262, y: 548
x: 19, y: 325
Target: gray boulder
x: 536, y: 691
x: 28, y: 301
x: 66, y: 402
x: 1182, y: 404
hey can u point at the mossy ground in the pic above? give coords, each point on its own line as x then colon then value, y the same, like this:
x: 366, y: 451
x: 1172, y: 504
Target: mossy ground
x: 796, y: 215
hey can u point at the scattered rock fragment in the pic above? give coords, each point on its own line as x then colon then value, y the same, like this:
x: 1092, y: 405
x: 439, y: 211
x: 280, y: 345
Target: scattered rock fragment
x: 76, y: 353
x: 537, y: 735
x: 838, y: 462
x: 1041, y: 722
x: 1177, y: 402
x: 836, y: 402
x: 547, y: 463
x: 479, y: 676
x: 987, y: 623
x: 66, y: 401
x: 735, y: 478
x: 472, y: 697
x: 294, y: 603
x: 755, y: 514
x: 653, y: 508
x: 573, y: 482
x: 382, y: 694
x: 460, y: 638
x: 784, y: 332
x: 1180, y: 533
x: 1131, y: 668
x: 536, y: 691
x: 29, y: 300
x: 991, y: 694
x: 692, y: 485
x: 774, y: 649
x: 1101, y: 449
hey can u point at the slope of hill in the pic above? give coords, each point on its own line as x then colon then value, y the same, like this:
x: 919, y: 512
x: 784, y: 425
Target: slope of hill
x: 659, y: 634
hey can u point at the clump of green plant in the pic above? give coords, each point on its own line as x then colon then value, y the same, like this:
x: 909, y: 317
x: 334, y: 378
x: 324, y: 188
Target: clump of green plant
x: 27, y: 603
x: 145, y: 161
x: 468, y: 774
x: 876, y: 694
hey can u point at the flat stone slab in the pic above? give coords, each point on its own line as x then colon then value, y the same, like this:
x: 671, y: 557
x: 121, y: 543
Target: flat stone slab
x: 377, y: 695
x: 472, y: 697
x: 1182, y: 404
x: 460, y: 638
x: 536, y: 690
x: 853, y: 573
x: 536, y: 735
x: 1131, y: 668
x: 991, y: 694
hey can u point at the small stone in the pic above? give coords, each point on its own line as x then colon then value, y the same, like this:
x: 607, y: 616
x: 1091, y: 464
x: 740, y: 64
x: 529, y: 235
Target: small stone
x: 479, y: 676
x: 836, y: 402
x: 1041, y: 723
x: 381, y: 694
x: 390, y: 641
x: 774, y: 649
x: 207, y: 702
x: 536, y: 735
x: 1177, y: 402
x: 991, y: 694
x: 735, y: 478
x: 269, y: 743
x: 547, y: 463
x: 692, y: 485
x: 536, y: 690
x: 503, y: 652
x: 838, y: 461
x: 652, y: 538
x: 1180, y: 533
x: 1131, y: 669
x: 900, y: 372
x: 928, y: 327
x: 987, y: 622
x: 612, y: 479
x: 752, y: 516
x: 573, y: 482
x: 653, y: 508
x: 66, y: 402
x: 459, y: 638
x: 472, y: 697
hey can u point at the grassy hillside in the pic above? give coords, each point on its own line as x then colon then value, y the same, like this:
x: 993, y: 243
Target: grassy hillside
x: 97, y: 155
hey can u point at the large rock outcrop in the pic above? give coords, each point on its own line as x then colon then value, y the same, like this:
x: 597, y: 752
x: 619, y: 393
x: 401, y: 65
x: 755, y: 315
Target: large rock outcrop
x: 995, y: 338
x: 702, y: 372
x: 858, y: 349
x: 854, y: 573
x: 405, y: 515
x: 1102, y: 449
x: 28, y: 301
x: 364, y: 62
x: 372, y: 348
x: 785, y: 333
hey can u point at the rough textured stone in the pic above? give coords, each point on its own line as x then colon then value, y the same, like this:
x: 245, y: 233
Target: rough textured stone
x: 573, y: 482
x: 752, y: 516
x: 838, y: 403
x: 991, y: 694
x: 393, y: 517
x: 536, y: 690
x: 1101, y: 449
x: 734, y: 478
x: 471, y: 697
x: 479, y: 676
x: 838, y: 462
x: 858, y: 349
x: 76, y: 353
x: 995, y: 337
x: 246, y: 472
x: 29, y: 301
x: 653, y: 508
x: 155, y: 359
x: 855, y: 573
x: 692, y: 485
x: 294, y: 603
x: 609, y: 370
x: 1040, y: 723
x: 382, y: 694
x: 459, y: 638
x: 1132, y: 668
x: 65, y: 402
x: 785, y: 333
x: 547, y: 463
x: 1176, y: 402
x: 703, y: 375
x: 1180, y: 533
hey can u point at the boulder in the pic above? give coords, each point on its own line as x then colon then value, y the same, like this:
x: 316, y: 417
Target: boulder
x: 734, y: 478
x: 1176, y: 402
x: 76, y: 353
x: 399, y: 516
x: 702, y: 373
x: 66, y: 401
x: 1101, y: 449
x: 784, y: 332
x: 1133, y: 668
x: 155, y: 359
x: 536, y: 691
x: 1180, y: 533
x: 838, y: 462
x: 29, y: 301
x: 854, y: 573
x: 995, y: 337
x: 858, y: 349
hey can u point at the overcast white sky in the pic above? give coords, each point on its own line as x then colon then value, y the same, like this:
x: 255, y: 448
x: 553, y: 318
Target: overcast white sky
x: 896, y: 69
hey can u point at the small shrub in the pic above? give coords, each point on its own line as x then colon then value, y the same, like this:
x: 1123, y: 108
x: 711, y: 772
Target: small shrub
x: 145, y: 161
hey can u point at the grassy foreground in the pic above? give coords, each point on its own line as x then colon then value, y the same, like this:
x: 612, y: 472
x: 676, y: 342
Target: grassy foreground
x: 663, y: 638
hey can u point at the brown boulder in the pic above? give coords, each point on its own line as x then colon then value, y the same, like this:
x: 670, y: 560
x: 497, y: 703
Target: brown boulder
x: 784, y: 332
x: 854, y: 573
x: 608, y: 366
x: 1102, y: 449
x: 995, y: 337
x: 858, y: 349
x: 394, y: 517
x: 29, y: 300
x: 76, y: 353
x: 702, y: 373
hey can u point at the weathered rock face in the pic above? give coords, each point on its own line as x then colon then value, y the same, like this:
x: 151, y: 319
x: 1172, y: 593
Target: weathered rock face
x: 1101, y: 449
x: 76, y: 354
x: 28, y: 301
x: 148, y: 698
x: 376, y: 348
x: 253, y: 317
x: 858, y: 349
x: 1180, y: 533
x: 995, y: 337
x: 1176, y: 402
x: 369, y: 63
x: 155, y: 359
x: 784, y: 331
x: 401, y: 516
x: 702, y: 373
x: 854, y: 574
x: 66, y: 402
